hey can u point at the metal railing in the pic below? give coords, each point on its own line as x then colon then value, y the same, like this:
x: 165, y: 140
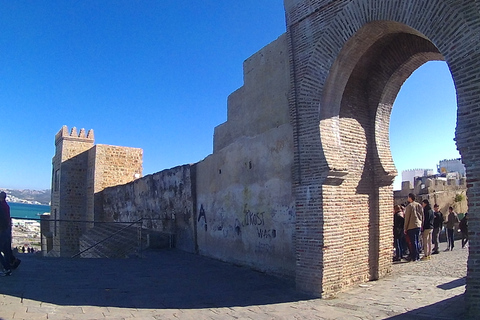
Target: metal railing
x: 113, y: 235
x: 88, y: 239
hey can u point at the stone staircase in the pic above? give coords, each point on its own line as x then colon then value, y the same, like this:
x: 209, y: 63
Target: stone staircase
x: 114, y: 240
x: 111, y: 240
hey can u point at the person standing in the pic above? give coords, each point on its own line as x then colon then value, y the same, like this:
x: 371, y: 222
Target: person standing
x: 398, y: 226
x: 463, y: 226
x: 5, y: 235
x: 428, y: 218
x: 437, y: 227
x: 413, y: 225
x: 452, y: 219
x: 5, y: 211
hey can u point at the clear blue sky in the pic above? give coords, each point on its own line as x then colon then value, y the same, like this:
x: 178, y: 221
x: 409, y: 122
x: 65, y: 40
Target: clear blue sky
x: 156, y: 75
x: 423, y: 120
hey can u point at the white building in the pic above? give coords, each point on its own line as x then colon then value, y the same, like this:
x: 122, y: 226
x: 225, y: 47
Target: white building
x: 452, y: 165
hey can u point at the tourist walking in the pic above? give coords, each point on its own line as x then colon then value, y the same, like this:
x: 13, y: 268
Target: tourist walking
x: 5, y: 212
x: 427, y: 231
x: 437, y: 227
x: 452, y: 219
x: 463, y: 226
x: 5, y: 235
x: 398, y: 235
x: 413, y: 225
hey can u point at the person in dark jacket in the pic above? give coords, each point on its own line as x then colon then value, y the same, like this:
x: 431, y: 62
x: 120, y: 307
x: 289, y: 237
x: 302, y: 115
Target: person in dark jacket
x: 398, y: 235
x: 427, y: 229
x: 5, y: 214
x: 452, y: 220
x: 463, y: 226
x: 5, y: 235
x: 437, y: 227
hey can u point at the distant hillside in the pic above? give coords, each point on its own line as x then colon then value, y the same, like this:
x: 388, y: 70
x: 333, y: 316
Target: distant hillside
x: 28, y: 196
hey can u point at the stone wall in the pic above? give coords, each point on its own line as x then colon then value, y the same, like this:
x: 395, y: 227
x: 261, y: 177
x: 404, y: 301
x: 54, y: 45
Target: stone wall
x: 166, y: 200
x: 300, y: 181
x: 113, y: 165
x: 348, y: 61
x: 445, y: 193
x: 69, y: 192
x: 261, y: 103
x: 80, y: 171
x: 245, y: 205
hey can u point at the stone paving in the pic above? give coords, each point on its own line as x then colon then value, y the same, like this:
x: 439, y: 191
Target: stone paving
x: 175, y: 285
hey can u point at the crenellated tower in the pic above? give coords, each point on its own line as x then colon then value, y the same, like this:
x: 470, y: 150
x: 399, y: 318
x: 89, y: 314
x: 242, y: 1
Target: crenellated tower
x: 69, y: 187
x: 81, y: 170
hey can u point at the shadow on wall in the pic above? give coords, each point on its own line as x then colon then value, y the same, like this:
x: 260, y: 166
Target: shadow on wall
x: 164, y: 279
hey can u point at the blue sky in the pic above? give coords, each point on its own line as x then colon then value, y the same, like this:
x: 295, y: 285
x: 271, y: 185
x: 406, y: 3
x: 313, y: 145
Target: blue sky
x: 156, y: 75
x: 423, y: 120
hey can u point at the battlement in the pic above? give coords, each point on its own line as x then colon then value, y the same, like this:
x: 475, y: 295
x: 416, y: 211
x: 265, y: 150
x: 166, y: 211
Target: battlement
x: 63, y: 134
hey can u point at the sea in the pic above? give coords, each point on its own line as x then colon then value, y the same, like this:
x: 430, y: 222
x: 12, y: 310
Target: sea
x: 28, y: 211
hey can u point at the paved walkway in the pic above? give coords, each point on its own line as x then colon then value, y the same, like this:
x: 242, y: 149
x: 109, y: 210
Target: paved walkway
x: 174, y: 285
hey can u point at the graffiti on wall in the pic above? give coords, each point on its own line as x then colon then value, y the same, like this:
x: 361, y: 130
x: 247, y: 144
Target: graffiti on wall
x: 202, y: 215
x: 257, y: 219
x: 253, y: 218
x: 250, y: 219
x: 266, y: 233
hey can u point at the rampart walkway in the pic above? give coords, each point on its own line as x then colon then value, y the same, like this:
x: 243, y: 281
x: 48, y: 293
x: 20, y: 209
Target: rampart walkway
x: 175, y: 285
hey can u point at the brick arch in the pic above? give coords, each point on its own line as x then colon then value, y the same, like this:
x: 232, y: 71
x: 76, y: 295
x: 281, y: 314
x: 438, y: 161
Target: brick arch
x: 404, y: 56
x: 322, y: 34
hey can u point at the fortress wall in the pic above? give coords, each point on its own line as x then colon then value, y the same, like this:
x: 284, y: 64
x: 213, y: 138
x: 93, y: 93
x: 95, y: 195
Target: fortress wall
x: 245, y: 206
x: 69, y: 194
x: 116, y: 165
x: 337, y: 46
x: 113, y: 165
x: 80, y: 171
x: 262, y: 102
x: 166, y: 198
x: 444, y: 193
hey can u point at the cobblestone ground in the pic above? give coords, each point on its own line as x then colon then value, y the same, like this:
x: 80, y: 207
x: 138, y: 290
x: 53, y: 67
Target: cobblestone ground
x: 176, y: 285
x: 448, y: 264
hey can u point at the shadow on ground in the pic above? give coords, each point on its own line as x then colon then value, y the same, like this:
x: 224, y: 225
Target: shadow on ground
x: 452, y: 308
x: 453, y: 284
x: 163, y: 279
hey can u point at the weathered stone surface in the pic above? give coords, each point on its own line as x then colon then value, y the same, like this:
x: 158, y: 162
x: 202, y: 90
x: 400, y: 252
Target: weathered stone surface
x: 348, y: 61
x: 300, y: 180
x: 80, y: 171
x: 165, y: 200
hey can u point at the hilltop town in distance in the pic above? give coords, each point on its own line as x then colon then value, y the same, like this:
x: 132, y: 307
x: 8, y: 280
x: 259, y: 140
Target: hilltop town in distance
x: 28, y: 196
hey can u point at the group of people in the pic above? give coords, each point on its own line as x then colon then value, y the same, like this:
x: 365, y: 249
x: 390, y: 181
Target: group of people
x: 417, y: 228
x: 23, y: 249
x: 8, y: 261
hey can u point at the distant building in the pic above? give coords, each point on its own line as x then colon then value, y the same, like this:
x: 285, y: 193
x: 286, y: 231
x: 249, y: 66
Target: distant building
x: 452, y: 165
x: 446, y: 188
x: 446, y: 192
x: 410, y: 175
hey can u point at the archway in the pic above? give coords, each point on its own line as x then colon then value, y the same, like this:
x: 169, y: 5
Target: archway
x: 349, y: 60
x: 360, y: 91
